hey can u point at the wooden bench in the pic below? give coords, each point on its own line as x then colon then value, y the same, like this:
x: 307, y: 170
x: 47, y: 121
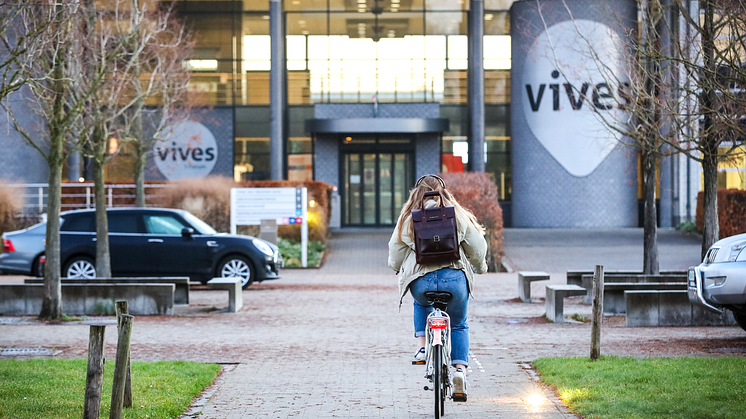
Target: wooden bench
x: 614, y: 302
x: 181, y: 290
x: 525, y: 278
x: 555, y: 305
x: 233, y: 286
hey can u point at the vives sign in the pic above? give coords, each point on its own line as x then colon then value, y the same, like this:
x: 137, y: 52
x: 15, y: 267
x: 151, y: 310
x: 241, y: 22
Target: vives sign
x: 572, y: 81
x: 189, y: 150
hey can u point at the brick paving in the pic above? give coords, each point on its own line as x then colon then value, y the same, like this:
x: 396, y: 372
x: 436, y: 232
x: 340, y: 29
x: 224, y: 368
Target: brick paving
x: 331, y: 342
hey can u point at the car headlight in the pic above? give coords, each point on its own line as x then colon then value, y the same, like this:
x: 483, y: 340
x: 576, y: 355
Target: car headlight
x: 263, y: 247
x: 735, y: 250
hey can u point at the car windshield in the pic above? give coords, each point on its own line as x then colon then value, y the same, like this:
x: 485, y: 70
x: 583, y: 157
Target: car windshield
x: 199, y: 225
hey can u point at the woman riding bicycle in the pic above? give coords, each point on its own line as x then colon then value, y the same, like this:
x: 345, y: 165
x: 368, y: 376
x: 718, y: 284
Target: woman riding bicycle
x: 455, y: 277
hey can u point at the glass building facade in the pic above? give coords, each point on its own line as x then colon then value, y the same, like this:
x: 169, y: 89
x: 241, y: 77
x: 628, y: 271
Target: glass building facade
x: 355, y: 52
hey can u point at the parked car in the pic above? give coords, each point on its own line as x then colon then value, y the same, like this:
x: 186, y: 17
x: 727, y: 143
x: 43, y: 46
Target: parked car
x: 145, y: 242
x: 719, y: 282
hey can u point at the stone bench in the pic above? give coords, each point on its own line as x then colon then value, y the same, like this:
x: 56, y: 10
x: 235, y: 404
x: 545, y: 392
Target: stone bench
x: 587, y: 281
x: 525, y: 278
x: 233, y: 285
x: 181, y: 291
x: 555, y: 305
x: 575, y: 277
x: 89, y: 299
x: 669, y: 308
x: 614, y: 302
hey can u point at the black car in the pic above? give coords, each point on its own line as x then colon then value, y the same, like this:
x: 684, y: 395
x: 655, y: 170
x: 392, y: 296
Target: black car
x: 163, y: 242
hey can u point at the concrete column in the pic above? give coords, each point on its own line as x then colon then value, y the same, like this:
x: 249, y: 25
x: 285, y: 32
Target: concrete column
x: 276, y: 90
x: 74, y: 167
x: 476, y: 85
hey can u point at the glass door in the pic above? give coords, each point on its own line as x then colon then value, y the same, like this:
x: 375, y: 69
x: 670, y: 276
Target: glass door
x: 375, y: 186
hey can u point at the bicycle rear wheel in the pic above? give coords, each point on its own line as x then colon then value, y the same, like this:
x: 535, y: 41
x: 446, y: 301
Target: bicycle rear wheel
x: 437, y: 380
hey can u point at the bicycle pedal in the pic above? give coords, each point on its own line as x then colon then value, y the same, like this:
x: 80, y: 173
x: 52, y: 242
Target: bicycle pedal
x: 418, y: 362
x: 459, y: 397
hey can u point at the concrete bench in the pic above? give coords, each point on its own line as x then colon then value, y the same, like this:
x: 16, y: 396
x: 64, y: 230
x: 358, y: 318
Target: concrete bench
x: 525, y: 278
x: 669, y: 308
x: 614, y: 302
x: 89, y: 299
x: 181, y: 291
x: 587, y: 281
x: 575, y: 277
x: 233, y: 285
x: 555, y: 305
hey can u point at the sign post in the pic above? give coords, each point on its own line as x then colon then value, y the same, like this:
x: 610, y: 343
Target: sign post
x: 249, y: 206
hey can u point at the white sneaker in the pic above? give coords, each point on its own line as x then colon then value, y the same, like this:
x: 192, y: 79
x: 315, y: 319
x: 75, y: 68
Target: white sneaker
x: 459, y: 386
x: 419, y: 357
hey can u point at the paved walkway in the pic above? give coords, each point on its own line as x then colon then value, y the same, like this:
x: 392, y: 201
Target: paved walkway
x: 331, y: 342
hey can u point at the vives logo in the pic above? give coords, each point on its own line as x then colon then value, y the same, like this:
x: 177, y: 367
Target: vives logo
x: 601, y: 96
x: 189, y: 150
x: 573, y: 84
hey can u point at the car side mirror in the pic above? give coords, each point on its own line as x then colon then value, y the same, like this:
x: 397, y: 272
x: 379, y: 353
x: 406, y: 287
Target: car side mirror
x: 187, y: 233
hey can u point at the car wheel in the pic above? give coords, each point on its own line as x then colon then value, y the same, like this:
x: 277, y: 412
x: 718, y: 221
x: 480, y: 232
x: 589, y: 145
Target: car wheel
x: 38, y: 267
x: 237, y: 266
x: 740, y: 319
x: 80, y: 267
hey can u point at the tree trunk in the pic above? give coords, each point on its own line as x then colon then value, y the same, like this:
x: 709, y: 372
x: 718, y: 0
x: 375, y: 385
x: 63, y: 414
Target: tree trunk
x: 103, y: 261
x: 650, y: 222
x: 709, y: 142
x: 711, y: 230
x: 51, y: 305
x: 140, y: 160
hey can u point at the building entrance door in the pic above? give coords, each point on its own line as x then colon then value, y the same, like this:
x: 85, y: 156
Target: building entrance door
x: 375, y: 184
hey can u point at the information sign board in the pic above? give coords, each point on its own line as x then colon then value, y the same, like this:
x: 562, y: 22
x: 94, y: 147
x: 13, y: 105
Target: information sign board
x: 249, y: 206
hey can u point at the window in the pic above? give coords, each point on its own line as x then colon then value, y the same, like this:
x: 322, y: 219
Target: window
x: 79, y: 223
x: 163, y: 224
x: 124, y: 223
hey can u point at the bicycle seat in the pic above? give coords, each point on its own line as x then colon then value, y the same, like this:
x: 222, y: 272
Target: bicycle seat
x: 438, y: 296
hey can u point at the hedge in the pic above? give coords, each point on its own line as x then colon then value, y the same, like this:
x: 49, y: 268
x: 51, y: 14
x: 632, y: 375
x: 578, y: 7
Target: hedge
x: 731, y: 212
x: 478, y: 193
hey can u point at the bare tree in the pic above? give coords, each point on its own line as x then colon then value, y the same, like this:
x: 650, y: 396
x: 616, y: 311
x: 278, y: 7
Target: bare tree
x: 50, y: 67
x: 712, y: 111
x: 129, y: 36
x: 685, y: 93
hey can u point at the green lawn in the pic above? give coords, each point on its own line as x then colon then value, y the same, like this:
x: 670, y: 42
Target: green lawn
x: 620, y: 388
x: 55, y: 388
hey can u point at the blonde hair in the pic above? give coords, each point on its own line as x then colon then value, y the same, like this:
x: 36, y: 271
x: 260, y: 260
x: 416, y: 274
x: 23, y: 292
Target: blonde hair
x: 432, y: 183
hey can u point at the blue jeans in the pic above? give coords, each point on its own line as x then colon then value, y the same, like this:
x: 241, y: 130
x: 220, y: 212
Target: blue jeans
x: 453, y: 281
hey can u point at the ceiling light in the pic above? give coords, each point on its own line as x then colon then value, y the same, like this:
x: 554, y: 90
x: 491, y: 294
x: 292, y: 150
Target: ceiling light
x: 394, y: 6
x: 305, y: 32
x: 488, y: 16
x: 301, y: 22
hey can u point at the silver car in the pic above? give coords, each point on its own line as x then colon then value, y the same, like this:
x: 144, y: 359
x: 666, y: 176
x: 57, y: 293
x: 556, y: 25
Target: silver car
x: 23, y: 251
x: 719, y: 282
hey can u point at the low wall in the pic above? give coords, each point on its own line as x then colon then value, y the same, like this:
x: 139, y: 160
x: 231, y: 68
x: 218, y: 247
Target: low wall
x: 90, y: 299
x: 181, y: 292
x: 670, y: 308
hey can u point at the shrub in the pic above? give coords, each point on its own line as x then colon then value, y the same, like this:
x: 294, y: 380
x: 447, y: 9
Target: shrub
x: 209, y: 199
x: 731, y: 212
x: 478, y: 193
x: 318, y: 215
x: 10, y: 208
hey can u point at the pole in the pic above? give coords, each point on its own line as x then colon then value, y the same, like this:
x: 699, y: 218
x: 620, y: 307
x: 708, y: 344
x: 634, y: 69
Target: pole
x: 276, y: 89
x: 120, y: 367
x: 94, y: 381
x: 476, y: 86
x: 122, y: 309
x: 598, y: 312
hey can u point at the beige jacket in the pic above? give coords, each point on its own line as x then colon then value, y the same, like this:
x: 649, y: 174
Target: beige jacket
x: 403, y: 259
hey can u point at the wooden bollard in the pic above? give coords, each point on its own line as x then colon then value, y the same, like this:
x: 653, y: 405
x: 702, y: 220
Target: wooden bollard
x: 121, y: 306
x: 94, y: 380
x: 598, y: 312
x: 120, y: 368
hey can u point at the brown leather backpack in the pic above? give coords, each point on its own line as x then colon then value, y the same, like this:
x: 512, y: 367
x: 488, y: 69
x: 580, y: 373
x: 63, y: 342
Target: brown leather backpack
x: 435, y: 233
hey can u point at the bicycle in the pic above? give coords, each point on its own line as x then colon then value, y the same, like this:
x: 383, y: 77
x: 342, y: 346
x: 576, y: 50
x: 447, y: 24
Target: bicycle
x: 438, y: 349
